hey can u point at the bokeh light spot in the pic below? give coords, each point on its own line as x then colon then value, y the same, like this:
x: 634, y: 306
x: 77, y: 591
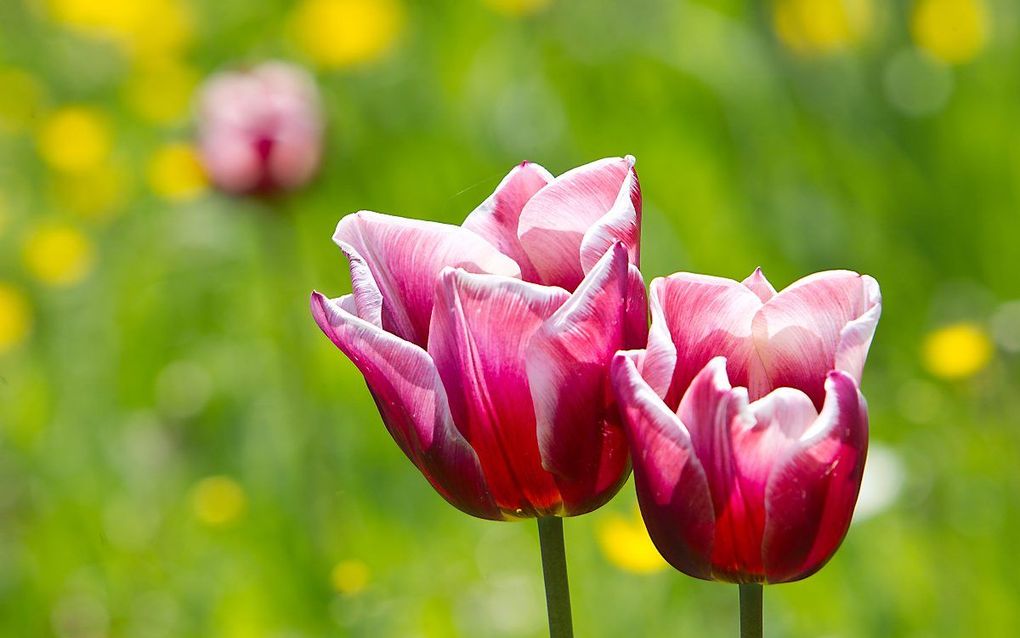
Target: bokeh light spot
x: 22, y: 98
x: 957, y: 351
x: 954, y: 31
x: 96, y: 194
x: 175, y: 173
x: 350, y: 577
x: 144, y: 28
x: 74, y: 139
x: 518, y: 8
x: 59, y: 255
x: 15, y: 317
x: 626, y: 544
x: 812, y: 27
x: 218, y: 501
x: 340, y: 33
x: 916, y: 83
x: 161, y: 92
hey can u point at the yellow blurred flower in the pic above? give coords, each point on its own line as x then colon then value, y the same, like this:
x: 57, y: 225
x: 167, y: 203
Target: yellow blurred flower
x: 340, y: 33
x: 160, y: 92
x: 175, y: 173
x: 625, y: 542
x: 144, y: 28
x: 15, y: 317
x: 59, y: 255
x: 350, y: 577
x: 953, y: 31
x: 518, y: 8
x: 957, y: 351
x: 813, y: 27
x: 218, y: 501
x: 22, y: 96
x: 74, y: 139
x: 95, y: 194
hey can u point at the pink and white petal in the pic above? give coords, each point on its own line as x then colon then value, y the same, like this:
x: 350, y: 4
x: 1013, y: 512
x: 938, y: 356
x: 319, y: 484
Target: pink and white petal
x: 812, y: 491
x: 568, y: 369
x: 658, y: 362
x: 405, y: 257
x: 778, y: 421
x: 712, y: 410
x: 366, y: 298
x: 481, y: 327
x: 621, y: 223
x: 554, y: 222
x: 760, y: 285
x: 496, y: 218
x: 707, y: 317
x: 855, y: 338
x: 797, y: 333
x: 672, y: 488
x: 412, y: 402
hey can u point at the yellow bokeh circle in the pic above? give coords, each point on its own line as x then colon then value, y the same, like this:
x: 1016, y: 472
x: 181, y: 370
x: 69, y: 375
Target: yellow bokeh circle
x: 175, y: 173
x: 340, y: 33
x: 518, y: 8
x: 953, y: 31
x: 74, y: 139
x: 350, y: 577
x: 218, y: 501
x: 817, y: 27
x: 626, y: 544
x: 957, y: 351
x: 58, y: 254
x: 15, y: 317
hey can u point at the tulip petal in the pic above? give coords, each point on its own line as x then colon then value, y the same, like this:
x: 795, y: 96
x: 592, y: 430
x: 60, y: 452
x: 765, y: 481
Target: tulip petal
x: 413, y: 404
x: 672, y: 487
x: 405, y: 256
x: 621, y: 223
x: 712, y: 410
x: 811, y: 493
x: 555, y: 221
x: 760, y: 285
x: 579, y: 436
x: 496, y: 219
x: 706, y: 317
x: 798, y: 332
x: 481, y: 328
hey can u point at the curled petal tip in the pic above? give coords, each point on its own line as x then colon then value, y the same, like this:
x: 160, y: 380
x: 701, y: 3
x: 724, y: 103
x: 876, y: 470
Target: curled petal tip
x: 630, y: 159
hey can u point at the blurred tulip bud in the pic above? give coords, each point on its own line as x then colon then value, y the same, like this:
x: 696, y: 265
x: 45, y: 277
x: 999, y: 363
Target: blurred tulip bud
x: 260, y: 130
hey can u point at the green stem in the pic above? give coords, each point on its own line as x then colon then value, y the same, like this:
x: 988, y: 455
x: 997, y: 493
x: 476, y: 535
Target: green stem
x: 554, y: 567
x: 750, y: 611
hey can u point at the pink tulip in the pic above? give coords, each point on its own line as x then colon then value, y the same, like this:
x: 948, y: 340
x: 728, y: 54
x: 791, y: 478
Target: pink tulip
x: 260, y: 130
x: 746, y: 423
x: 487, y: 346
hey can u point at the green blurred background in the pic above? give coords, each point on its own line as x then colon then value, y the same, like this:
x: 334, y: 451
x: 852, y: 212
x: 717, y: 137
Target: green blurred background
x: 182, y: 453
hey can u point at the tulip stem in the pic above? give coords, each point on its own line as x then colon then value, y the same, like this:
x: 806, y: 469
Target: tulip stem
x: 554, y: 567
x: 750, y: 611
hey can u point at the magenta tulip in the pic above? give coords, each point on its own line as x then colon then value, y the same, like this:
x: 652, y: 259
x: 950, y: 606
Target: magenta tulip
x: 260, y: 130
x: 747, y: 427
x: 487, y: 346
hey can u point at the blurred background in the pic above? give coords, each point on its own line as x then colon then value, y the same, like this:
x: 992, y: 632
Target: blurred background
x: 183, y: 454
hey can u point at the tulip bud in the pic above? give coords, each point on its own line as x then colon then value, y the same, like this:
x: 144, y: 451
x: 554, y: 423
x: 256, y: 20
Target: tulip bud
x: 260, y: 130
x: 487, y: 346
x: 747, y: 428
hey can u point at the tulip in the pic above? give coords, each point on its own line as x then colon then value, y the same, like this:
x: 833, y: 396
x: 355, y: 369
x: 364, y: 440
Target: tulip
x: 260, y: 130
x: 746, y: 423
x: 487, y: 346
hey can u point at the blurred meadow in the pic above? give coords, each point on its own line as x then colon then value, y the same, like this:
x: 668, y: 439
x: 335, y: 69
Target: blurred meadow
x: 182, y: 452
